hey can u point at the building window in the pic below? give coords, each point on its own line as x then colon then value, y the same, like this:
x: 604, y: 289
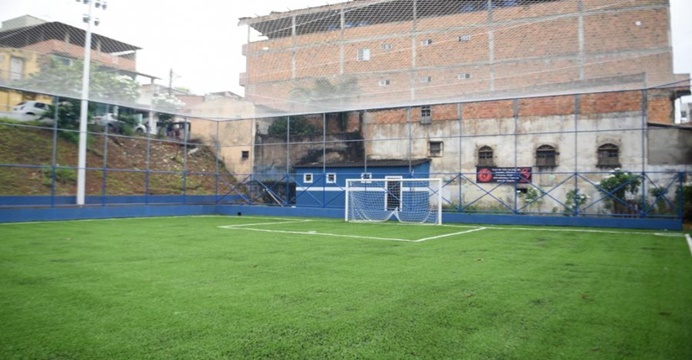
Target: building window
x: 463, y: 76
x: 331, y: 178
x: 426, y: 42
x: 64, y: 60
x: 608, y: 155
x: 244, y: 154
x: 16, y: 68
x: 307, y: 178
x: 384, y: 82
x: 435, y: 148
x: 363, y: 54
x: 546, y: 156
x: 464, y: 38
x: 366, y: 175
x: 485, y: 156
x: 425, y: 79
x: 386, y: 46
x: 425, y: 114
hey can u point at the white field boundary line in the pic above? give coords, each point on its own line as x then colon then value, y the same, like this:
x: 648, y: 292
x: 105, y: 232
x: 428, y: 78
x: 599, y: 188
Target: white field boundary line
x: 689, y: 241
x: 139, y: 218
x: 537, y: 228
x: 448, y: 235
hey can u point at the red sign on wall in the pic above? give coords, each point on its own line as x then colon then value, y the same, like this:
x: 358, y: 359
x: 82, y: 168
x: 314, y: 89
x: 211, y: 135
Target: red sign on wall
x: 520, y: 175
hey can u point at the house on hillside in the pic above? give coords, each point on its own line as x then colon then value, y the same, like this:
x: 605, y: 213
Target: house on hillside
x: 225, y: 121
x: 28, y: 43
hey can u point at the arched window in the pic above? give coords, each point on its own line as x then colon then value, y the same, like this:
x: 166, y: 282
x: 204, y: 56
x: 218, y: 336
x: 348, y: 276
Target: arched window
x: 485, y: 156
x: 608, y: 155
x: 546, y: 156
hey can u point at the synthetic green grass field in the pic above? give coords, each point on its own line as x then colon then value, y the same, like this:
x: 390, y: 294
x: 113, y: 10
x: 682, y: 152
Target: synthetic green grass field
x: 284, y: 288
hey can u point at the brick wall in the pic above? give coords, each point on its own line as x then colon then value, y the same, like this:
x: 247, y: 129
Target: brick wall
x: 660, y: 108
x: 523, y: 49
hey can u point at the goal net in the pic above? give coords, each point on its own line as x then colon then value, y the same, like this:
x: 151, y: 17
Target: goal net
x: 407, y: 200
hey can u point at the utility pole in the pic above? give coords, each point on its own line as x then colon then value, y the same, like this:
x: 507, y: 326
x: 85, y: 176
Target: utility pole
x: 170, y: 82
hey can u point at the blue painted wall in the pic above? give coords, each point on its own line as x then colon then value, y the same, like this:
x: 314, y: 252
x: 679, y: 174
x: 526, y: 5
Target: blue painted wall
x: 106, y: 212
x: 321, y: 194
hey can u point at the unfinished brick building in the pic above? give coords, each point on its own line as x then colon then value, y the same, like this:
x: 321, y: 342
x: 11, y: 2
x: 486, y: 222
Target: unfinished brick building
x: 410, y: 52
x: 560, y: 87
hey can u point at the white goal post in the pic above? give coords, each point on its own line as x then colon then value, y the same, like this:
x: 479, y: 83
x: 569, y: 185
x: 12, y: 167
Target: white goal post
x: 407, y: 200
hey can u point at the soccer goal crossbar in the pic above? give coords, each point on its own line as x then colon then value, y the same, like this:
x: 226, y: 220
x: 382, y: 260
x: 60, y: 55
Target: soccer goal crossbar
x: 406, y: 200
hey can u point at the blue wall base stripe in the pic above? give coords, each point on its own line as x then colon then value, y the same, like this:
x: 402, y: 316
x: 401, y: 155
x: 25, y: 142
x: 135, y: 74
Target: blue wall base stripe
x: 24, y: 214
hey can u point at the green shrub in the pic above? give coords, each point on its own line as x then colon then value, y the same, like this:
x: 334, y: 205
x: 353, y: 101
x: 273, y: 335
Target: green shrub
x: 574, y: 200
x: 299, y: 126
x: 62, y: 175
x: 617, y: 186
x: 686, y: 191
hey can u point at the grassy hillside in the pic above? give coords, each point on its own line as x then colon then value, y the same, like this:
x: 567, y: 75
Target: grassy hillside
x: 26, y: 155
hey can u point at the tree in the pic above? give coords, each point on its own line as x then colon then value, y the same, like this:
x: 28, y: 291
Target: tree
x: 57, y: 77
x: 299, y: 126
x: 325, y: 93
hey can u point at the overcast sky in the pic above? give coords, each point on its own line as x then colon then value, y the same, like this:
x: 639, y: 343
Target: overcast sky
x: 201, y: 40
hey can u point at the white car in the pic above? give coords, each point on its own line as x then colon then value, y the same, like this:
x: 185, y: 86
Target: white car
x: 30, y: 108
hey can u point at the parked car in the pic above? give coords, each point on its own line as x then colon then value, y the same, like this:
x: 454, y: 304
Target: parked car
x: 30, y: 108
x: 114, y: 125
x: 107, y: 121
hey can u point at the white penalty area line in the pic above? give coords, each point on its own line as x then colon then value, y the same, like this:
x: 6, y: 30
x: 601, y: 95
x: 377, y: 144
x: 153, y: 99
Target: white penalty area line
x: 448, y: 235
x: 277, y: 221
x: 689, y: 241
x: 315, y: 233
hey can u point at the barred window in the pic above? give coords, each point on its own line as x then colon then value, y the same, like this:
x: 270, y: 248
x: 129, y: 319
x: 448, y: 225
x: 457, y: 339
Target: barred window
x: 485, y: 156
x: 608, y: 155
x: 546, y: 156
x: 425, y: 114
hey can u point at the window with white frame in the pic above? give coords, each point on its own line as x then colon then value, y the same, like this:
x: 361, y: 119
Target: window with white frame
x: 307, y: 178
x: 464, y: 38
x: 435, y: 148
x: 384, y: 82
x: 425, y: 79
x: 426, y: 42
x: 463, y: 76
x: 386, y: 46
x: 363, y: 54
x: 331, y: 178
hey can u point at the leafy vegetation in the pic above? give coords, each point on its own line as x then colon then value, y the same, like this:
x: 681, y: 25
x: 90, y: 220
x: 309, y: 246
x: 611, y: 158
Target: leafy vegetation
x: 618, y: 189
x: 297, y: 125
x: 574, y: 200
x: 686, y: 191
x: 28, y: 155
x: 58, y: 77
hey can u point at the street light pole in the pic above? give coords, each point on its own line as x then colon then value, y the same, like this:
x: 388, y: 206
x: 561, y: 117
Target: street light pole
x: 81, y: 161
